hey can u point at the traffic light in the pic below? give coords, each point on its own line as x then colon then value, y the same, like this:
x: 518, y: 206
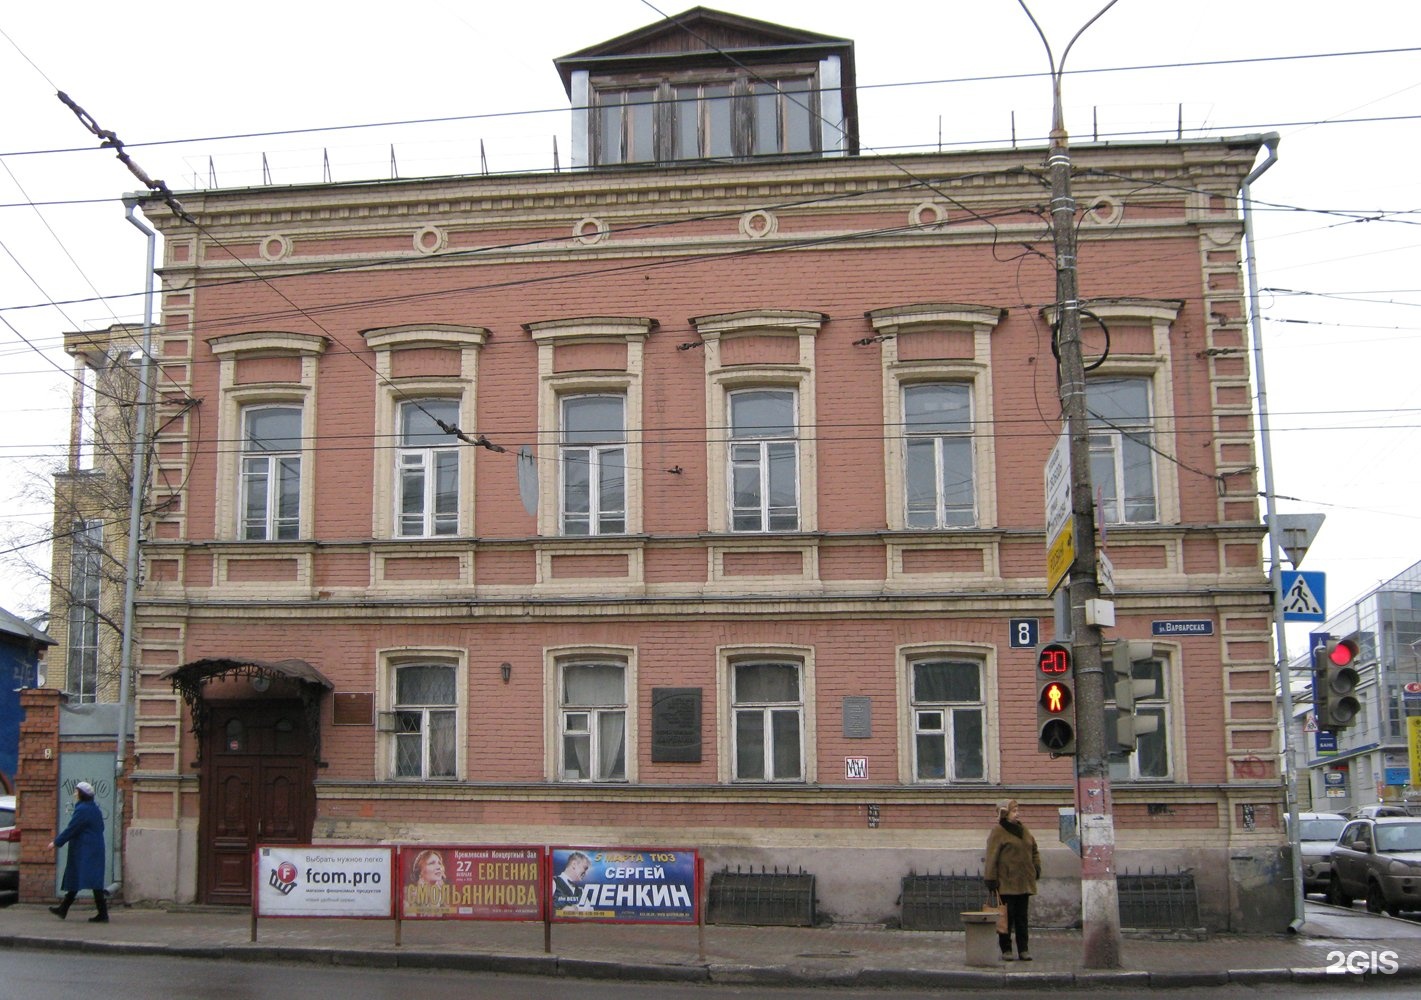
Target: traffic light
x: 1334, y: 684
x: 1055, y: 700
x: 1129, y: 727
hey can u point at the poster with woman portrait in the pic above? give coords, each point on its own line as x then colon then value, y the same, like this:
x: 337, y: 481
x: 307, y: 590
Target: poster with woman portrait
x: 452, y: 882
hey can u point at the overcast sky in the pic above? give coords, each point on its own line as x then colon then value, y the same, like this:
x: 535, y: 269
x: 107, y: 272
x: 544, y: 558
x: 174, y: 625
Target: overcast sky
x: 188, y: 85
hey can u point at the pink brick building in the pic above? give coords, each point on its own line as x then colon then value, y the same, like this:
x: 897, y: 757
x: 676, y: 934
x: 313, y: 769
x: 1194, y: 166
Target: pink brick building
x: 686, y: 497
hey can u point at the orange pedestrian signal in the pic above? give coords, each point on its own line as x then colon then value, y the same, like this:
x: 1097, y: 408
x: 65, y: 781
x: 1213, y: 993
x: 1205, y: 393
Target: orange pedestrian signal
x: 1055, y: 701
x: 1055, y: 697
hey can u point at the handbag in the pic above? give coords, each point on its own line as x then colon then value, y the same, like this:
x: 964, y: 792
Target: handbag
x: 1001, y: 909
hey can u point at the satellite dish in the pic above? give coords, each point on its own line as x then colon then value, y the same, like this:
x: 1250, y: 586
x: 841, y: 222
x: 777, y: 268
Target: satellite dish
x: 528, y: 480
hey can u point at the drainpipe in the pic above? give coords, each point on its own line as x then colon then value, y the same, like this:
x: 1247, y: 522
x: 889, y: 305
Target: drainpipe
x: 1275, y: 573
x: 135, y: 522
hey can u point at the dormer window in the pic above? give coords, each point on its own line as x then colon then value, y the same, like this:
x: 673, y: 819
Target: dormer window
x: 710, y: 86
x: 728, y: 117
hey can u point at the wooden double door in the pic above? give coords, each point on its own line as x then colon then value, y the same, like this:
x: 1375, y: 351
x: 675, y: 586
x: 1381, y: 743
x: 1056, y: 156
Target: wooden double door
x: 258, y: 786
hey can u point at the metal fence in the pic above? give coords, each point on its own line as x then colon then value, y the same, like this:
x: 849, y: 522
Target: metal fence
x: 1158, y: 900
x: 766, y: 898
x: 936, y: 902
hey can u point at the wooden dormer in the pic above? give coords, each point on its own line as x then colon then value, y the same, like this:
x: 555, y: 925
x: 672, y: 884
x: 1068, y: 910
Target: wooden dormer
x: 710, y: 86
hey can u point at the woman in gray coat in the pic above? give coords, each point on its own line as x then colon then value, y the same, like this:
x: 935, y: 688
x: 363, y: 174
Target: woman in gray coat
x: 1013, y: 866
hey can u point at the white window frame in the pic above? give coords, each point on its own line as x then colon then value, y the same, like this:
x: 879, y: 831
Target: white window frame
x: 726, y: 659
x: 236, y: 397
x: 902, y: 368
x: 554, y: 658
x: 275, y: 463
x: 761, y: 465
x: 388, y: 664
x: 767, y: 711
x: 425, y: 460
x: 942, y: 519
x: 394, y: 387
x: 949, y: 711
x: 593, y: 715
x: 553, y: 385
x: 722, y: 378
x: 1150, y: 358
x: 1108, y: 438
x: 86, y: 562
x: 592, y: 455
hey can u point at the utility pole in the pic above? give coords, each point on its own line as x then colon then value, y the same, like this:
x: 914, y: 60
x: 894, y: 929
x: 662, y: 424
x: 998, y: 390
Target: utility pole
x: 1100, y: 906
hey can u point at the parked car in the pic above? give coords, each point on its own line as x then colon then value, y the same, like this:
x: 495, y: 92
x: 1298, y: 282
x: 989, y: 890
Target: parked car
x: 1378, y: 860
x: 1317, y: 835
x: 9, y: 844
x: 1376, y: 810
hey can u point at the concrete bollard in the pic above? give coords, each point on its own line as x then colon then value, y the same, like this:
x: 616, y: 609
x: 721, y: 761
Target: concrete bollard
x: 981, y: 927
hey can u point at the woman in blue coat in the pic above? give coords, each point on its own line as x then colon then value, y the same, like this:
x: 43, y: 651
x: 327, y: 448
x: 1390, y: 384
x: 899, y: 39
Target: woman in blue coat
x: 85, y: 866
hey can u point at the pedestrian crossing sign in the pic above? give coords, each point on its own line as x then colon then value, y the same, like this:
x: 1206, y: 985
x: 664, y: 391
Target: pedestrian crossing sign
x: 1304, y: 596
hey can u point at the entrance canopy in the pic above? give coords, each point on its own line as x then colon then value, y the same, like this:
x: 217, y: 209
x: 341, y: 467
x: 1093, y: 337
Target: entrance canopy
x: 190, y: 678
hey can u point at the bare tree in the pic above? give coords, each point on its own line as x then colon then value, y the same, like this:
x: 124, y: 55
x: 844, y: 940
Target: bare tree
x: 90, y: 492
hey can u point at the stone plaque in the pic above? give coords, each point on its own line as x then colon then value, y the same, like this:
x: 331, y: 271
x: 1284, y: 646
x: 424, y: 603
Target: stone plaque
x: 353, y: 709
x: 676, y: 725
x: 858, y: 719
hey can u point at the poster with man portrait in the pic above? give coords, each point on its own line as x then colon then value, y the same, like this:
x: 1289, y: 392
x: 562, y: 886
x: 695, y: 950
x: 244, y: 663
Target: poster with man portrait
x: 624, y: 884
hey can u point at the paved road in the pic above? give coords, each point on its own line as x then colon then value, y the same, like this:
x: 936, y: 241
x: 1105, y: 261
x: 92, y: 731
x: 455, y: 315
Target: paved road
x: 38, y: 975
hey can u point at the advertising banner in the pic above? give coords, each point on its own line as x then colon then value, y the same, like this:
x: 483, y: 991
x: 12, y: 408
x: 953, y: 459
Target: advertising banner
x: 306, y: 881
x: 470, y: 883
x: 624, y: 884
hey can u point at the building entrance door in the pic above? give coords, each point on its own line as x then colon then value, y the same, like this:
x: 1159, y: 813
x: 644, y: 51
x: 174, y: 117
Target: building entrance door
x: 258, y: 786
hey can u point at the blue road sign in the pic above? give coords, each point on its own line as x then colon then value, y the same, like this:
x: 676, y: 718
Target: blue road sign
x: 1304, y: 596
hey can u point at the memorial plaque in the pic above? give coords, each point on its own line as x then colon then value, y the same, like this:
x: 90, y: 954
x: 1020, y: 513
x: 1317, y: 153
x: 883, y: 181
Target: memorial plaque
x: 353, y: 709
x: 676, y: 725
x: 858, y: 718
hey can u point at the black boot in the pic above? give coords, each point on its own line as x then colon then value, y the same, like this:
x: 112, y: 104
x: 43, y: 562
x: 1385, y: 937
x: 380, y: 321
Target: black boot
x: 62, y: 910
x: 101, y: 903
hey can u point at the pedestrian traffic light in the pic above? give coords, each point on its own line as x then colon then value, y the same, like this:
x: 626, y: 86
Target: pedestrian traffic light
x: 1129, y: 727
x: 1055, y: 700
x: 1334, y: 684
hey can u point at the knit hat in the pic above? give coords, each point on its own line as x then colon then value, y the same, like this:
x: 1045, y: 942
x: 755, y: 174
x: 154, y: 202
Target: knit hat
x: 1006, y: 806
x: 85, y: 789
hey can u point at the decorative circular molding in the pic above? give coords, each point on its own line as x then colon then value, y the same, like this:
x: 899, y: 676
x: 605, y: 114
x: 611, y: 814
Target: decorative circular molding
x: 927, y: 215
x: 1105, y: 211
x: 758, y: 224
x: 275, y: 247
x: 590, y: 231
x: 430, y: 240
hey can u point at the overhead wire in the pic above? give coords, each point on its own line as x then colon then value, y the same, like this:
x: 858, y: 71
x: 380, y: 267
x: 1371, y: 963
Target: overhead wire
x: 944, y: 81
x: 299, y: 310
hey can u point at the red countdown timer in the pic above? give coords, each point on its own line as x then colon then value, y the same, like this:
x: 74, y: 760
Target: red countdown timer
x: 1054, y: 659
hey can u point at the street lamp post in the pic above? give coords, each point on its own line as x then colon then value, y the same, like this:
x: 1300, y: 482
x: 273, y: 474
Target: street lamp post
x: 1100, y: 909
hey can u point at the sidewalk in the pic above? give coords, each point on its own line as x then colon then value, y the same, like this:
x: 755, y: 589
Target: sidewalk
x: 769, y: 956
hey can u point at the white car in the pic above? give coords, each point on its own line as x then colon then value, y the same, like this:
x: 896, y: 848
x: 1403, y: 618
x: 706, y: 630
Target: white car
x: 9, y: 844
x: 1317, y: 835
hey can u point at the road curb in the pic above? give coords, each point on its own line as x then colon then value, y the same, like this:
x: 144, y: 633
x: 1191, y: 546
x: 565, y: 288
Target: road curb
x: 719, y: 973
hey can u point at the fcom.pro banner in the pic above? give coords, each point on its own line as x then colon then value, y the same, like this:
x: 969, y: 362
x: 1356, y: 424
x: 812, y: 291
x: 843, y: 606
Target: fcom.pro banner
x: 324, y: 882
x: 451, y: 882
x: 624, y: 884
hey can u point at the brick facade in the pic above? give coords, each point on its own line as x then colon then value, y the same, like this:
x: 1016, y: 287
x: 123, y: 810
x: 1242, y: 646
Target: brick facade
x: 840, y: 280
